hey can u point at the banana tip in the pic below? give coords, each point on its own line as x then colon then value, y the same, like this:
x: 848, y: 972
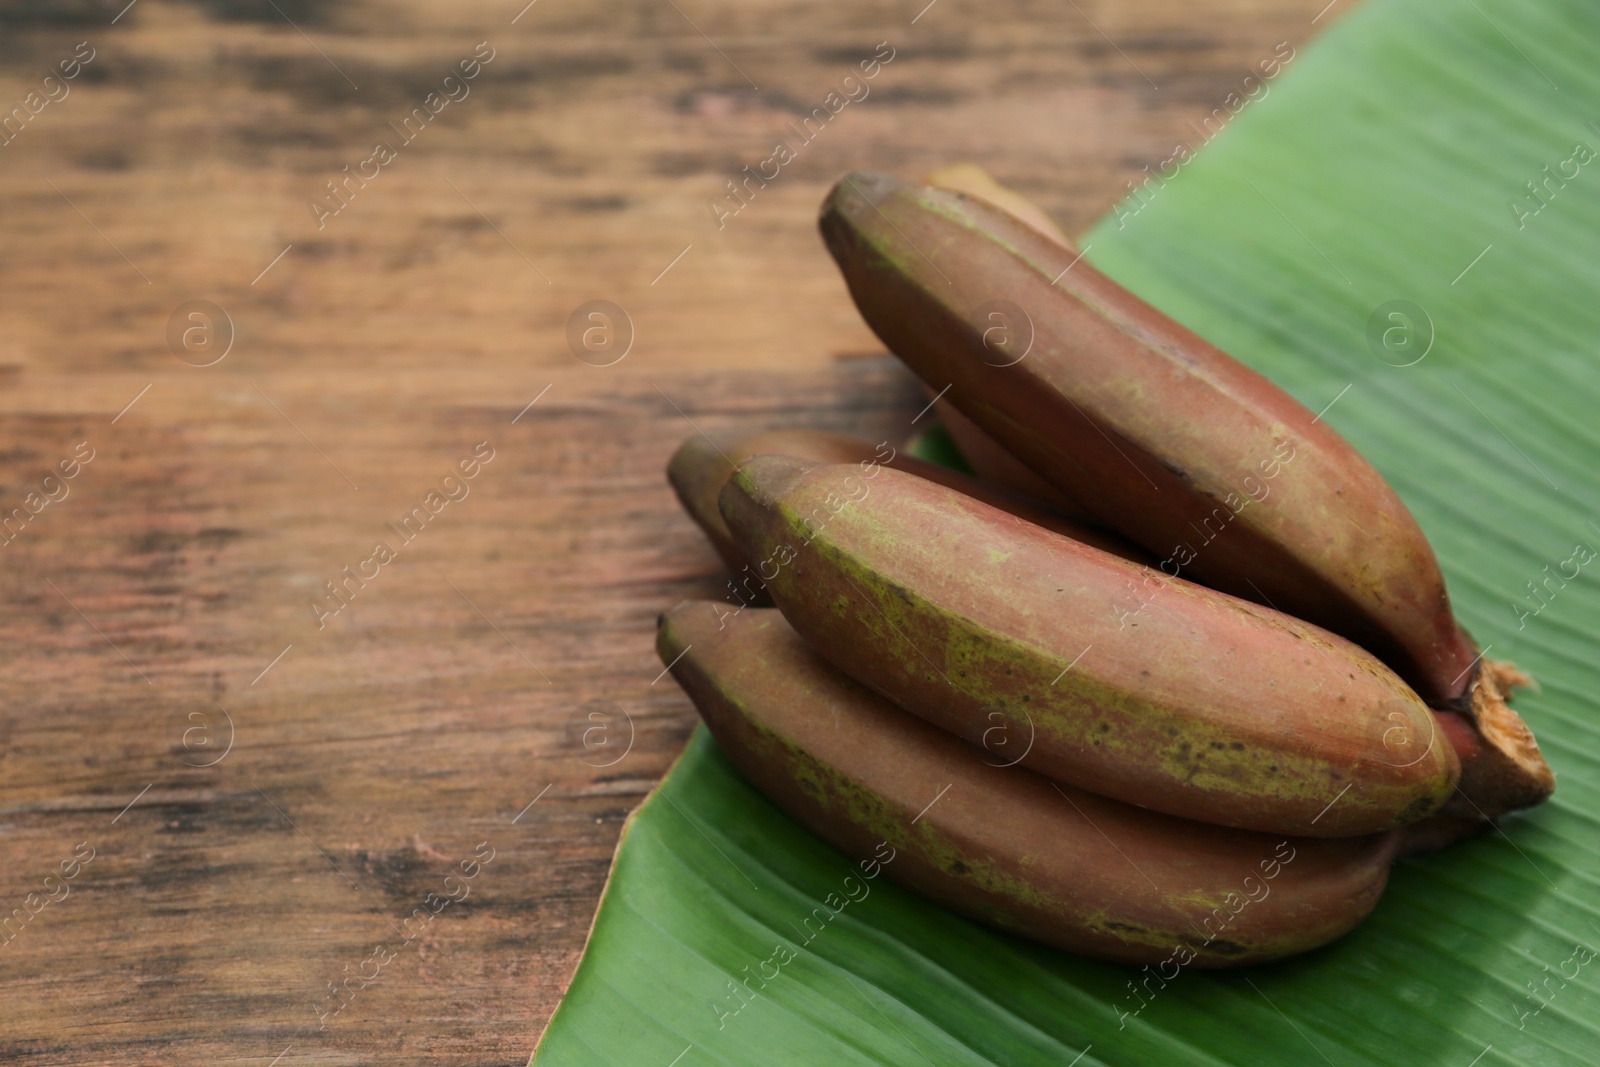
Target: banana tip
x: 670, y: 642
x: 696, y: 461
x: 853, y: 202
x: 762, y: 480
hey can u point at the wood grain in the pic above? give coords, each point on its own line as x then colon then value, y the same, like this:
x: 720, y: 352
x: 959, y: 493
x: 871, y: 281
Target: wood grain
x: 161, y: 605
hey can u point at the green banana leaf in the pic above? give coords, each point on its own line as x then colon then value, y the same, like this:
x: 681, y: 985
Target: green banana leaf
x: 1365, y: 235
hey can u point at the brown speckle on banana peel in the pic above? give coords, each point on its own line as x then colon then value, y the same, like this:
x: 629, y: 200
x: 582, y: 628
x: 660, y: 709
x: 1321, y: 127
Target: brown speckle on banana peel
x: 1107, y: 675
x: 1003, y: 845
x: 1164, y: 437
x: 701, y: 465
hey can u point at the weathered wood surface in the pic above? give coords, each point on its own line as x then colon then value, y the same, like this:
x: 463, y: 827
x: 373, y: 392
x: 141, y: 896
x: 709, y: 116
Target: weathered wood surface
x: 146, y: 607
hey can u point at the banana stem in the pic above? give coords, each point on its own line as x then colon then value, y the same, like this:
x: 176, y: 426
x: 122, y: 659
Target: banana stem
x: 1501, y: 768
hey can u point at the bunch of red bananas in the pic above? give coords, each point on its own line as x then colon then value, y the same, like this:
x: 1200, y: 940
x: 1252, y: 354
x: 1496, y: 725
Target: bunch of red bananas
x: 1173, y: 672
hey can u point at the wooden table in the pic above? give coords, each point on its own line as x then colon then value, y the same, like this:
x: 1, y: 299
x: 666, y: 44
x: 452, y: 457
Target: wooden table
x: 270, y: 790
